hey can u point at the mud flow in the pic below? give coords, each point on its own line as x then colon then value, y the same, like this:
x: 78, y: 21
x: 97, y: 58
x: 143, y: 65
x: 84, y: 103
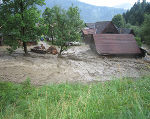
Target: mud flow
x: 78, y: 64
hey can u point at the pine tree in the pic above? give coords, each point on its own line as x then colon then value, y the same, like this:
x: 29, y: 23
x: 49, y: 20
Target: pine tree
x: 135, y: 16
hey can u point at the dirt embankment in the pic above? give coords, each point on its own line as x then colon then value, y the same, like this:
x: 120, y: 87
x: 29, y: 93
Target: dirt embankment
x: 78, y: 64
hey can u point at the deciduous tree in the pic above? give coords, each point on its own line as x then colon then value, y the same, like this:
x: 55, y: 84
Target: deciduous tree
x: 68, y: 26
x: 49, y: 21
x: 118, y: 20
x: 20, y: 21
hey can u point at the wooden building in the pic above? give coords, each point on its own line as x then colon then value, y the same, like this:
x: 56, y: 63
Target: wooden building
x: 104, y: 27
x: 87, y: 35
x: 115, y: 44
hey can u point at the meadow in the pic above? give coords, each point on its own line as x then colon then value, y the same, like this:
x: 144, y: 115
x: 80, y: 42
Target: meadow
x: 125, y: 98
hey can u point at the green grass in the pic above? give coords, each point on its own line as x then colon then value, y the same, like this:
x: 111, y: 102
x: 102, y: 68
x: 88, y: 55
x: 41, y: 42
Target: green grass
x: 119, y: 99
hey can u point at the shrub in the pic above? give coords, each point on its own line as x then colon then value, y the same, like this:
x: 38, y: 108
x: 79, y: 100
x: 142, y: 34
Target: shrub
x: 138, y: 40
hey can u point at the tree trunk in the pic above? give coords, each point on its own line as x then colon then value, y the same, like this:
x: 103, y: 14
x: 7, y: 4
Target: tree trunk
x: 52, y: 37
x: 61, y: 49
x: 52, y: 40
x: 25, y: 47
x: 23, y: 28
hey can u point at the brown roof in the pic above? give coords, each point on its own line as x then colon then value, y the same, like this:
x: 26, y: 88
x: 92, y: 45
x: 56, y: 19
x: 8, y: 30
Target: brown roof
x: 103, y: 27
x: 116, y: 44
x: 89, y: 31
x: 100, y: 26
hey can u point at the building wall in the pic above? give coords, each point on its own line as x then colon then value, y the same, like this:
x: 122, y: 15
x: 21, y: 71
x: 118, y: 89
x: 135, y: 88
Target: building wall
x: 87, y: 38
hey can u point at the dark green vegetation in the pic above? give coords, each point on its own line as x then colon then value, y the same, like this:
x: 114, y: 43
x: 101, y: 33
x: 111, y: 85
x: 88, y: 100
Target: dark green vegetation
x: 18, y: 21
x: 118, y: 99
x: 135, y: 16
x: 89, y: 13
x: 145, y: 31
x: 138, y: 19
x: 118, y: 20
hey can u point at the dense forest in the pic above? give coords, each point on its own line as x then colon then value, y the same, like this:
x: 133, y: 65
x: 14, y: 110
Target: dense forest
x: 138, y: 19
x: 135, y: 16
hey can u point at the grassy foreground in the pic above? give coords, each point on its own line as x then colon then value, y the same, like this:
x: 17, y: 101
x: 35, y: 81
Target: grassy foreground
x: 119, y: 99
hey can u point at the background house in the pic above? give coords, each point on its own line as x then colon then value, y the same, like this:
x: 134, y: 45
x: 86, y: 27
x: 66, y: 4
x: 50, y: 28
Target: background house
x: 105, y: 27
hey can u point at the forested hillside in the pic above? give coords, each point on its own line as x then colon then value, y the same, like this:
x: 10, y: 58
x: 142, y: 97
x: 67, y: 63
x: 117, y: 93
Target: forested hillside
x: 138, y: 18
x: 89, y: 13
x: 135, y: 15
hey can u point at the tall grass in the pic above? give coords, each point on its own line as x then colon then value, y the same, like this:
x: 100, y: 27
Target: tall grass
x: 119, y: 99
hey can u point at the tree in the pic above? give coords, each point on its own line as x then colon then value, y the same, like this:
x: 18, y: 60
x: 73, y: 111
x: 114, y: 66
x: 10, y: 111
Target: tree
x: 20, y: 21
x: 48, y: 16
x: 67, y: 27
x: 147, y: 9
x: 118, y: 20
x: 145, y: 31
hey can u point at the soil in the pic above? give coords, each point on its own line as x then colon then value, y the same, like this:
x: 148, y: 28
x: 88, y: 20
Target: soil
x: 78, y: 64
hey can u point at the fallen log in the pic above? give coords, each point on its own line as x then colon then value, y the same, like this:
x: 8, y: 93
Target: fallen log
x: 38, y: 51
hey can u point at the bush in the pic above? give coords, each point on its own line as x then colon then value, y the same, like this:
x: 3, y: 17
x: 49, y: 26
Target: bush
x: 138, y: 40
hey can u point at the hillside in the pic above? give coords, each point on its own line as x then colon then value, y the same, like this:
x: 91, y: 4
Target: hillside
x: 89, y: 13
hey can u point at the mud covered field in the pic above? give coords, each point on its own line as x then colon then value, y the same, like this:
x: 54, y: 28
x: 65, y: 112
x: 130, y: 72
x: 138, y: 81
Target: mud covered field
x: 79, y: 64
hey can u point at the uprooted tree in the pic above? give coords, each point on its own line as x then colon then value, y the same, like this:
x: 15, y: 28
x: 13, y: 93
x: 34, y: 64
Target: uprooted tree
x: 20, y: 20
x: 67, y: 26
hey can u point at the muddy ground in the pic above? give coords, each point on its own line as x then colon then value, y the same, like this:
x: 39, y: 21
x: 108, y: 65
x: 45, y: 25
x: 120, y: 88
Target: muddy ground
x: 79, y: 64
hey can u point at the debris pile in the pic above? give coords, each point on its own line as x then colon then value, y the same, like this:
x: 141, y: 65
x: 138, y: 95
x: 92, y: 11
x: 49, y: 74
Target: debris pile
x: 52, y: 50
x: 42, y: 50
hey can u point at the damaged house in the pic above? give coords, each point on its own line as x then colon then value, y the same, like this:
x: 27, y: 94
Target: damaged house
x: 115, y: 44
